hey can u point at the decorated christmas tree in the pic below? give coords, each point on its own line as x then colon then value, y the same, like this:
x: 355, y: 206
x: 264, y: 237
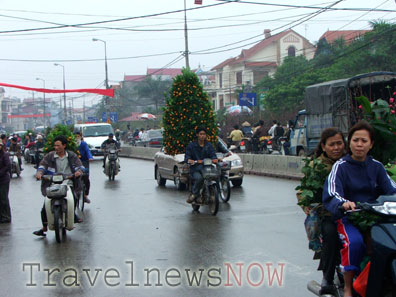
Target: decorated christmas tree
x: 187, y: 108
x: 65, y: 131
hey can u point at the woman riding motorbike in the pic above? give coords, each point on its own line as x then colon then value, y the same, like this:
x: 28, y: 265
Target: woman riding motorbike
x: 330, y: 148
x: 357, y: 177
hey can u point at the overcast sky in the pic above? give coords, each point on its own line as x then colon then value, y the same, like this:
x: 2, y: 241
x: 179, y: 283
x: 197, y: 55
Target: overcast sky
x: 152, y: 41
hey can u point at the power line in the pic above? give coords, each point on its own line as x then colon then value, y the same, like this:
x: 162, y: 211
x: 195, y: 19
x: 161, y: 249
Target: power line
x: 305, y: 6
x: 112, y: 21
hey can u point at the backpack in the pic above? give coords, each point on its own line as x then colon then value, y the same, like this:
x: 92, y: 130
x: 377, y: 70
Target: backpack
x: 279, y: 131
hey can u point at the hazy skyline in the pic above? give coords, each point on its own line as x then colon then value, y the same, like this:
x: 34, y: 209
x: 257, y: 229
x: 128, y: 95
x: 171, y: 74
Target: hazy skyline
x: 30, y: 54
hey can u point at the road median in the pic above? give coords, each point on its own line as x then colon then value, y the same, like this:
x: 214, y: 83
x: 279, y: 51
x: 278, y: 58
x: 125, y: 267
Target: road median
x: 265, y: 165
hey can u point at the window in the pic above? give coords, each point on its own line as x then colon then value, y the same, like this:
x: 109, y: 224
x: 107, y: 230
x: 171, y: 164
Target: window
x: 291, y: 51
x: 221, y: 97
x: 239, y: 77
x: 221, y: 80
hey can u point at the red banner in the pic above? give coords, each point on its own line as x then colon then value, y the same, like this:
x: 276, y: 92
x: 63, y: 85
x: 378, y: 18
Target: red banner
x: 104, y: 92
x: 24, y: 116
x: 198, y: 2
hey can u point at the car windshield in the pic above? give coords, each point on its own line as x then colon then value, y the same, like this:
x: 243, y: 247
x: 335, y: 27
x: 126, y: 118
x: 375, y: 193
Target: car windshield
x: 91, y: 131
x: 154, y: 134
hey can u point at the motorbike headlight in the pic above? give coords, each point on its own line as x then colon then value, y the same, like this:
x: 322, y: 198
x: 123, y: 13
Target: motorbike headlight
x: 236, y: 163
x: 388, y: 208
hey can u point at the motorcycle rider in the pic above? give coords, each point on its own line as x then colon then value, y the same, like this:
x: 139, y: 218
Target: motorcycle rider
x: 39, y: 146
x: 16, y: 148
x: 5, y: 167
x: 86, y: 157
x: 357, y: 177
x: 236, y: 135
x: 197, y: 151
x: 271, y: 131
x: 59, y: 161
x: 107, y: 144
x: 330, y: 149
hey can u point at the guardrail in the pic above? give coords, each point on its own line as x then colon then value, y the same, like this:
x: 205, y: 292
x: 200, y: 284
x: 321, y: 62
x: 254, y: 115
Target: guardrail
x: 268, y: 165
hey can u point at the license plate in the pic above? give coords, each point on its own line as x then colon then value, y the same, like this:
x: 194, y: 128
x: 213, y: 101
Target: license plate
x: 269, y: 147
x: 242, y: 147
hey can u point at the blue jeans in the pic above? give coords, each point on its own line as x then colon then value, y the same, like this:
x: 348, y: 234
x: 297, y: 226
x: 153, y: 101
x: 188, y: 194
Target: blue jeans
x: 198, y: 181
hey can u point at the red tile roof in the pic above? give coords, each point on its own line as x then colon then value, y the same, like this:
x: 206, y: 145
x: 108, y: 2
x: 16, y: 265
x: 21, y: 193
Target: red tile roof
x: 134, y: 77
x: 260, y: 64
x: 247, y: 53
x: 347, y: 35
x: 133, y: 117
x: 172, y: 72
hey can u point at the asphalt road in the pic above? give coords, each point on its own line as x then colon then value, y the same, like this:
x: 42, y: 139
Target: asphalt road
x: 138, y: 239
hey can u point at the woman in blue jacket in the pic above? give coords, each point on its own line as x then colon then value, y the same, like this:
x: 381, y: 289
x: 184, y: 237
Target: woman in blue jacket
x: 357, y: 177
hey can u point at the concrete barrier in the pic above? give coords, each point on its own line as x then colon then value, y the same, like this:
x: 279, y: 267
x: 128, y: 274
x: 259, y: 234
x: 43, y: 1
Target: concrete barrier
x: 145, y: 153
x: 268, y: 165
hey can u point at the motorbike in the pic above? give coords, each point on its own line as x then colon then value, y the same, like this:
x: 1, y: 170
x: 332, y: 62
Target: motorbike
x: 59, y: 205
x: 209, y: 194
x: 112, y: 164
x: 15, y: 168
x: 382, y: 273
x: 224, y: 180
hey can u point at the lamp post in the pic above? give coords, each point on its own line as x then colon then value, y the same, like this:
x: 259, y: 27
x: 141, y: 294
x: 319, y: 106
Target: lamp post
x: 106, y: 73
x: 64, y: 93
x: 105, y: 48
x: 43, y: 100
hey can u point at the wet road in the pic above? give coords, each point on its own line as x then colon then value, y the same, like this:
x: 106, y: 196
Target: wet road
x: 138, y: 239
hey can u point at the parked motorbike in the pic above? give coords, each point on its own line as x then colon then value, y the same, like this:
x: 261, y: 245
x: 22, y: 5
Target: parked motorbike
x: 112, y: 164
x: 382, y: 274
x: 59, y: 205
x: 209, y: 194
x: 15, y: 168
x: 224, y: 181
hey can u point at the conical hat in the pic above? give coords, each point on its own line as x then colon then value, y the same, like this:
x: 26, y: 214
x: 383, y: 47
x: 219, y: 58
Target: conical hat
x: 246, y: 124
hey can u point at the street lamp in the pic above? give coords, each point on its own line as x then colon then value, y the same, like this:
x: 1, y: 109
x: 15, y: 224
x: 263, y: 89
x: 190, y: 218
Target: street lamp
x: 64, y: 93
x: 105, y: 48
x: 44, y: 99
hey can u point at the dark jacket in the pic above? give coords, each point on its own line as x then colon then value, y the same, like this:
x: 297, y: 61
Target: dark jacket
x: 195, y: 152
x: 5, y: 167
x: 261, y: 131
x: 48, y: 166
x: 351, y: 180
x: 15, y: 147
x: 108, y: 142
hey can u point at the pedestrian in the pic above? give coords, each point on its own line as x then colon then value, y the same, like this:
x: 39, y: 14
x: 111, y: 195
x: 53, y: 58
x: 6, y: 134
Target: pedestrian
x: 5, y: 168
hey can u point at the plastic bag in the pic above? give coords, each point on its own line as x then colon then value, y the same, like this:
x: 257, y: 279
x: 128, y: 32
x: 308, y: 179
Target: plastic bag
x: 360, y: 283
x: 312, y: 225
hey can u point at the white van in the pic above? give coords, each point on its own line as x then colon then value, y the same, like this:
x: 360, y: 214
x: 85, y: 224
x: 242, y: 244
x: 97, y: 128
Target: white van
x: 94, y: 135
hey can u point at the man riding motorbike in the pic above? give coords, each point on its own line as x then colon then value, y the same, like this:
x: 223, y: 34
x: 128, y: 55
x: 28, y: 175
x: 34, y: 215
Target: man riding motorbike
x: 108, y: 143
x: 197, y: 151
x: 39, y: 146
x: 86, y: 156
x: 59, y: 161
x: 16, y: 148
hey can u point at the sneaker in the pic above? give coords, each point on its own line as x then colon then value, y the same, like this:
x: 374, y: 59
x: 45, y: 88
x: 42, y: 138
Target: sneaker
x: 191, y: 198
x: 39, y: 233
x: 326, y: 287
x: 86, y: 200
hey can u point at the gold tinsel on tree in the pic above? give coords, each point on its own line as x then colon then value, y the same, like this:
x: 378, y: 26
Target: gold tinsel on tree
x: 187, y: 108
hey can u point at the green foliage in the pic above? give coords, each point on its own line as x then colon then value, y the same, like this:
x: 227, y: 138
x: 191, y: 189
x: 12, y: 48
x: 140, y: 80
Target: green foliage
x: 187, y: 108
x: 371, y: 52
x: 65, y: 131
x: 153, y: 90
x: 381, y: 116
x: 311, y: 187
x: 363, y: 220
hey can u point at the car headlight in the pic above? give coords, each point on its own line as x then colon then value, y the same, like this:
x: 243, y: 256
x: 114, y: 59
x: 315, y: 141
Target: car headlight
x: 388, y: 208
x: 236, y: 163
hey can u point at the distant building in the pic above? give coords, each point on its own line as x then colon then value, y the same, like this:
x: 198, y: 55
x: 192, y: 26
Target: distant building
x: 347, y: 35
x: 257, y: 62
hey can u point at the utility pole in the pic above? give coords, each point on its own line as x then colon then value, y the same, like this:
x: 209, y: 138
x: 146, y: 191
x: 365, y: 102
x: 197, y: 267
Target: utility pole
x: 186, y: 37
x: 64, y: 93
